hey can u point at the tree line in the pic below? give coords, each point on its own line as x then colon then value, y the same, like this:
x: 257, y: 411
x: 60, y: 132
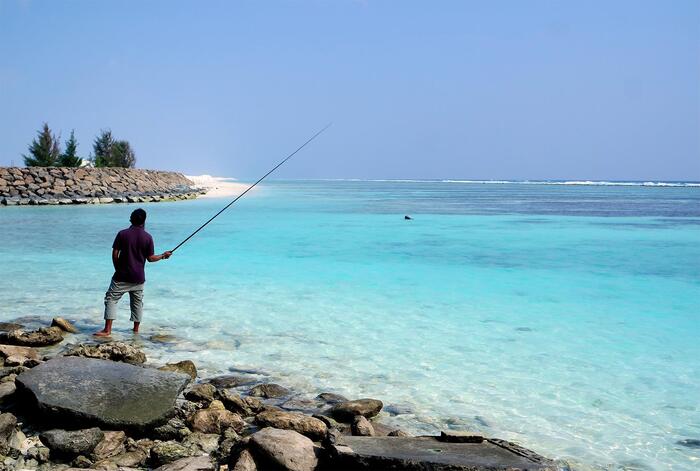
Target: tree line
x: 45, y: 151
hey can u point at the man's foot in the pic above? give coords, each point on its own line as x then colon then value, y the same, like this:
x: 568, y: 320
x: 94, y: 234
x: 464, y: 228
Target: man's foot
x: 102, y: 333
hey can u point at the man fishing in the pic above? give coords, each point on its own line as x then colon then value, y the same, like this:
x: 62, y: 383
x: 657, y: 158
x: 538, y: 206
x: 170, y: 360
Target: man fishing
x: 131, y: 248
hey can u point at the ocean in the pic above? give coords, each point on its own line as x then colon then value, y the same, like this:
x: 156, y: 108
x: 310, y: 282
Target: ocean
x: 563, y: 317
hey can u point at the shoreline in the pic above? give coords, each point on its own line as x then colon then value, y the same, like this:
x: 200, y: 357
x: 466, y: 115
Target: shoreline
x: 217, y: 187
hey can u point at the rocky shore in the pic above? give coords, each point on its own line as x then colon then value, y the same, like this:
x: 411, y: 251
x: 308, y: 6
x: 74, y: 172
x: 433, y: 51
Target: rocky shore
x: 62, y: 185
x: 102, y: 405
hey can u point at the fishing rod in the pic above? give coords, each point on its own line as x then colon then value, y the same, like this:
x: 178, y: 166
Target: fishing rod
x: 252, y: 186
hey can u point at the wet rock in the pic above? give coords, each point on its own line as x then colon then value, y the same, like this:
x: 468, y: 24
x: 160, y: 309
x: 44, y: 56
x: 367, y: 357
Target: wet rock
x: 112, y: 394
x: 114, y: 351
x: 198, y: 442
x: 37, y: 338
x: 245, y: 462
x: 362, y: 427
x: 301, y: 404
x: 162, y: 338
x: 285, y: 448
x: 19, y: 356
x: 234, y: 402
x: 7, y: 390
x: 9, y: 326
x: 229, y: 381
x: 174, y: 429
x: 186, y: 367
x: 269, y: 390
x: 255, y: 404
x: 330, y: 423
x: 331, y: 398
x: 64, y: 325
x: 346, y: 411
x: 304, y: 424
x: 215, y: 419
x: 194, y: 463
x: 203, y: 392
x: 112, y: 444
x: 8, y: 422
x: 689, y: 442
x: 167, y: 452
x: 74, y: 442
x: 398, y: 433
x: 453, y: 436
x: 81, y: 462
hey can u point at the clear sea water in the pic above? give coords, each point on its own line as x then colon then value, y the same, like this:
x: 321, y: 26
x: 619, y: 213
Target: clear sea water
x: 562, y: 317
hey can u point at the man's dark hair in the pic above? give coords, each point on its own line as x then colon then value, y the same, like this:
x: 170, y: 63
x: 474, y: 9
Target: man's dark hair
x: 138, y: 217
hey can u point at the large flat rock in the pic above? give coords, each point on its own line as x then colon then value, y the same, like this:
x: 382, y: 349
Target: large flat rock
x: 103, y: 392
x: 428, y: 453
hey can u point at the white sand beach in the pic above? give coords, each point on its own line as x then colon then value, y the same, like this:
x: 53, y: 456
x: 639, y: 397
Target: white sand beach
x: 217, y: 187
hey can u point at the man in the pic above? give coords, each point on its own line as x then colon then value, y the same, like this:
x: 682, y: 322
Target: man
x: 131, y: 248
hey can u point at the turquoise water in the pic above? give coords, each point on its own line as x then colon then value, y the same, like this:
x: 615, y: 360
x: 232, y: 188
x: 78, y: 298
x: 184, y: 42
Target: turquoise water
x: 564, y: 318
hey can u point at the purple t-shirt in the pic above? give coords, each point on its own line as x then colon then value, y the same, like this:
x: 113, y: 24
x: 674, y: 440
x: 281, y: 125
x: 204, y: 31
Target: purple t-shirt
x: 135, y: 245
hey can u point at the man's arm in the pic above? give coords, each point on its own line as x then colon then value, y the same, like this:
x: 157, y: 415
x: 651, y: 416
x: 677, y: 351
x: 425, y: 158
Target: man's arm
x: 115, y: 258
x: 156, y: 258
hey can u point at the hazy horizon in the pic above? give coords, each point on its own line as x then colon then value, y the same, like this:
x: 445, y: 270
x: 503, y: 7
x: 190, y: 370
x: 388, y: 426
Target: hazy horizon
x: 458, y: 90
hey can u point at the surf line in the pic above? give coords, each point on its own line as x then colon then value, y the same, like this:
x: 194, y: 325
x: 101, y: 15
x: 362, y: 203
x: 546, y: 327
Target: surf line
x: 252, y: 186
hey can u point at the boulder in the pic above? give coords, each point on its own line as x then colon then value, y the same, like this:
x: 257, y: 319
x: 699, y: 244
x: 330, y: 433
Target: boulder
x: 229, y: 381
x: 284, y: 448
x: 64, y: 325
x: 461, y: 437
x: 129, y: 459
x: 430, y: 453
x: 9, y: 326
x: 215, y: 419
x: 114, y: 351
x: 111, y: 445
x: 346, y: 411
x: 82, y: 462
x: 73, y: 442
x: 229, y: 439
x: 37, y: 338
x: 234, y: 403
x: 167, y: 452
x: 194, y: 463
x: 8, y: 422
x: 19, y: 356
x: 269, y: 390
x: 39, y: 453
x: 7, y: 390
x: 186, y: 367
x: 331, y: 398
x: 198, y: 442
x: 304, y: 424
x: 362, y: 427
x: 174, y: 429
x: 245, y: 462
x: 107, y: 393
x: 203, y: 392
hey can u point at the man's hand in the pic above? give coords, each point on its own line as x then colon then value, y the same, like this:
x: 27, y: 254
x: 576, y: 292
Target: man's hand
x: 166, y: 255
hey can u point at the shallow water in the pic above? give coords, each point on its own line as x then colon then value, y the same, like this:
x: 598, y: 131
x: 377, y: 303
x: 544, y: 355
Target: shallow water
x: 564, y: 318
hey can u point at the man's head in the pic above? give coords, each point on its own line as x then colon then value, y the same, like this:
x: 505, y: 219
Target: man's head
x: 138, y: 217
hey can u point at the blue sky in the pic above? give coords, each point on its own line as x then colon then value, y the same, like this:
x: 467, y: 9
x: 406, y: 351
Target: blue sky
x: 464, y: 89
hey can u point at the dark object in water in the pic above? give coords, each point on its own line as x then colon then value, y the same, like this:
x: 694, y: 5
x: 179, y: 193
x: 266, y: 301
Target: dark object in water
x: 689, y: 442
x: 408, y: 218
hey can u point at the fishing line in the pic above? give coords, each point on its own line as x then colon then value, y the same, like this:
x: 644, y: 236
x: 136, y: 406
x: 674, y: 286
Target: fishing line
x: 252, y: 186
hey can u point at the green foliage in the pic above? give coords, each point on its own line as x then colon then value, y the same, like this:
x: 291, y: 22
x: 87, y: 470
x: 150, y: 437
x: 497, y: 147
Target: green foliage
x: 69, y: 157
x: 108, y: 152
x: 44, y: 150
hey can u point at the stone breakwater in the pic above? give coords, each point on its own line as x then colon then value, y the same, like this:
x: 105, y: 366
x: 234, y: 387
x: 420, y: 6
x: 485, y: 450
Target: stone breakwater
x: 61, y: 185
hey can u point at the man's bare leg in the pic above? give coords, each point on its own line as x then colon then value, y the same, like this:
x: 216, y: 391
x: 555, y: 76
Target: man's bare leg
x: 107, y: 331
x: 136, y: 327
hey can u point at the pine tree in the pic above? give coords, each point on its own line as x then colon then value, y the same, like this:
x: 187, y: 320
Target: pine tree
x: 69, y: 157
x: 44, y: 150
x: 102, y: 149
x: 123, y: 155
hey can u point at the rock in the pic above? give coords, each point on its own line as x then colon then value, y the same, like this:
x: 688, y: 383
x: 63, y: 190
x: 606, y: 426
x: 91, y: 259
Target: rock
x: 129, y: 459
x: 398, y: 433
x: 269, y: 390
x: 9, y: 326
x: 330, y: 423
x: 331, y: 398
x: 111, y: 445
x: 245, y: 462
x: 285, y: 448
x: 81, y: 462
x: 198, y: 442
x: 37, y: 338
x: 689, y: 442
x: 167, y: 452
x: 304, y: 424
x: 174, y: 429
x: 194, y: 463
x: 8, y: 422
x: 461, y: 437
x: 72, y: 443
x: 186, y: 367
x: 115, y: 351
x: 255, y: 404
x: 12, y: 371
x: 234, y: 403
x: 7, y: 390
x: 215, y: 419
x: 362, y: 427
x: 229, y: 381
x: 229, y: 439
x: 28, y: 354
x: 346, y: 411
x: 162, y: 338
x: 300, y: 404
x: 39, y: 453
x: 203, y: 392
x: 112, y: 394
x: 64, y: 325
x: 429, y: 453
